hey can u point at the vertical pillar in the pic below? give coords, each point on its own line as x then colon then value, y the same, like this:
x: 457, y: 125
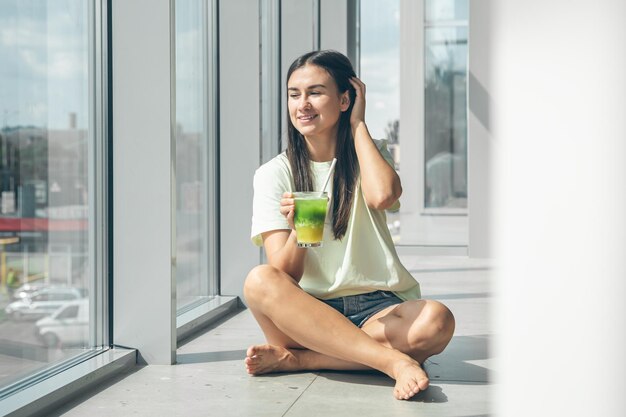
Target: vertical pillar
x: 143, y: 177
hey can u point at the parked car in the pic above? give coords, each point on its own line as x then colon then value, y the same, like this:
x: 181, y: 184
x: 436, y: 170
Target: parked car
x: 43, y: 302
x: 26, y: 290
x: 68, y: 326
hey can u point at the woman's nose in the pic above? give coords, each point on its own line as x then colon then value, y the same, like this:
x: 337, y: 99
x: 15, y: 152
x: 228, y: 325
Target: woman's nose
x: 305, y: 103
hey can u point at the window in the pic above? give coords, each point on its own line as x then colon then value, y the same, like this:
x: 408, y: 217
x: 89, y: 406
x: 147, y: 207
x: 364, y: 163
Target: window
x: 445, y: 103
x: 425, y: 121
x: 48, y: 177
x: 194, y: 186
x: 380, y: 69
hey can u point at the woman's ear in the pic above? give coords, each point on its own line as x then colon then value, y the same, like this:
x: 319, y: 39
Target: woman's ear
x: 345, y: 100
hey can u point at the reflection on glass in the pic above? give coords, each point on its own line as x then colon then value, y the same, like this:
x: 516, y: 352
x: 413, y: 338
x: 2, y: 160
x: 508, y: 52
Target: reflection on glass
x: 446, y: 10
x: 380, y: 70
x: 44, y: 203
x: 445, y: 100
x: 192, y: 278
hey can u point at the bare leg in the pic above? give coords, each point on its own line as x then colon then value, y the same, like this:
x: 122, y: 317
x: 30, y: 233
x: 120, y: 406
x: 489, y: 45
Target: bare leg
x: 336, y: 343
x: 419, y: 328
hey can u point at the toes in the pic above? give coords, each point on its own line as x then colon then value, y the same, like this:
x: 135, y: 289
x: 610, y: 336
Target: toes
x: 251, y: 351
x: 397, y: 394
x: 252, y: 360
x: 423, y: 383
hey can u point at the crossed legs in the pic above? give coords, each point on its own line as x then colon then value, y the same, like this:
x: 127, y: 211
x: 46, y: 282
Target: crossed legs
x: 305, y: 334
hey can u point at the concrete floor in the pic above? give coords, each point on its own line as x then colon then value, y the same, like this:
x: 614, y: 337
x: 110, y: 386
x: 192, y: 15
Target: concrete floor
x: 210, y: 378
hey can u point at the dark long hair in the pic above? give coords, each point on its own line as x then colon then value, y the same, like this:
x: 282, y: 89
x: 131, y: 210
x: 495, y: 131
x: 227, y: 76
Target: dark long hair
x: 347, y: 167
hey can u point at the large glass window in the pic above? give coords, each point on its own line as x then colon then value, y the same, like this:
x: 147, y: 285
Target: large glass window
x: 445, y: 103
x: 380, y: 69
x: 428, y: 40
x: 47, y: 185
x: 193, y: 277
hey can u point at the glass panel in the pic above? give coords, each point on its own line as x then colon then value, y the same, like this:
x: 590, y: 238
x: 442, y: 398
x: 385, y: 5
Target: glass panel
x: 380, y: 69
x: 442, y: 10
x: 192, y: 275
x: 44, y: 182
x: 445, y: 99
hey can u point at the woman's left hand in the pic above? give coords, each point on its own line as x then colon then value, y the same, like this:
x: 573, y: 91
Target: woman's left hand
x: 358, y: 111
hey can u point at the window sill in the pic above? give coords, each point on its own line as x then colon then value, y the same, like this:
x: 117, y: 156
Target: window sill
x: 196, y: 319
x: 56, y: 390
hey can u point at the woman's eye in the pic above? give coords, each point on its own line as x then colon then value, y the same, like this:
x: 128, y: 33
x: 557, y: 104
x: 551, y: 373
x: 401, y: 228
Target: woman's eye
x: 294, y: 95
x: 314, y: 93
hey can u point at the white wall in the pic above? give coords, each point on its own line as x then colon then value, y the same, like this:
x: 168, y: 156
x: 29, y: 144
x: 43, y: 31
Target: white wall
x: 558, y: 83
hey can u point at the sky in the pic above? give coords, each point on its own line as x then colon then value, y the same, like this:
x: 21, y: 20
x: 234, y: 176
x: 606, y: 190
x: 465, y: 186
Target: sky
x: 44, y: 62
x: 380, y: 63
x: 44, y: 55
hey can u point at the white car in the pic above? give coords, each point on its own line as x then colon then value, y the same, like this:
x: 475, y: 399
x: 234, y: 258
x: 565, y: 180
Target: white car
x: 26, y: 290
x: 68, y: 326
x: 43, y: 302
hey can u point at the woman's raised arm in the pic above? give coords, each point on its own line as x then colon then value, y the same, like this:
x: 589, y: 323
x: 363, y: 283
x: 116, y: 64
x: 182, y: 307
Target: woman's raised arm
x: 379, y: 181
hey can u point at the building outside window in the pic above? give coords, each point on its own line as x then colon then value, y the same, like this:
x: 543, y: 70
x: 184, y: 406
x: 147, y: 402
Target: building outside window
x: 51, y: 299
x: 195, y: 276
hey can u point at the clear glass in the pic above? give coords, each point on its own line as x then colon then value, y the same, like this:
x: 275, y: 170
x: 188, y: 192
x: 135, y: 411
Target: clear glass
x: 309, y: 217
x: 192, y: 275
x: 446, y: 10
x: 44, y: 184
x: 445, y: 118
x: 380, y: 70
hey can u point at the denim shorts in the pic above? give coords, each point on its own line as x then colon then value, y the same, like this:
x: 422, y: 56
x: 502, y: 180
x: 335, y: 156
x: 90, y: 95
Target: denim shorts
x: 359, y: 308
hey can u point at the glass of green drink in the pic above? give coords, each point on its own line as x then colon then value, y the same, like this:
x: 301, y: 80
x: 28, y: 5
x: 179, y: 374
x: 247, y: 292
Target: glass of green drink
x: 309, y: 217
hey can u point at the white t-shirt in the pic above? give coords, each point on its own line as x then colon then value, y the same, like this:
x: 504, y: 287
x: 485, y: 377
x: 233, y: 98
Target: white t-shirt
x: 364, y: 260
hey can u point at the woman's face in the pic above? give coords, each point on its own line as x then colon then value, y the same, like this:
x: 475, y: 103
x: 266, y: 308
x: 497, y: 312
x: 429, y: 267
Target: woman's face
x: 314, y: 102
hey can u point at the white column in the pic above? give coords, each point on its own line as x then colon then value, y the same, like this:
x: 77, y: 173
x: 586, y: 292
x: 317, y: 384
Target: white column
x: 143, y: 164
x: 480, y: 170
x: 334, y: 26
x: 558, y: 76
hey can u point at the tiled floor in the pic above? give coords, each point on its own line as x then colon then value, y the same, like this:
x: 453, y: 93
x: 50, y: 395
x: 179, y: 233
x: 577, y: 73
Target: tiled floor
x: 210, y: 379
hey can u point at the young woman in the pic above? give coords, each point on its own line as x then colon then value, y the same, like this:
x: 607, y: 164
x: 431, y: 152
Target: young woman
x: 350, y: 304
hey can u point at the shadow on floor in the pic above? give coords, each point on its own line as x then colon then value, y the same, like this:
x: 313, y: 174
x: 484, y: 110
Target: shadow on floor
x: 433, y: 394
x: 452, y: 364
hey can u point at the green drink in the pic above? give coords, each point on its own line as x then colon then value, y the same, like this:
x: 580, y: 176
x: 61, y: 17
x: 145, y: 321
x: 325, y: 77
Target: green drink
x: 309, y: 217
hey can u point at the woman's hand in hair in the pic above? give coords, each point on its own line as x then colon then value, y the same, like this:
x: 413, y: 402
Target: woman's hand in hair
x: 287, y: 208
x: 358, y: 111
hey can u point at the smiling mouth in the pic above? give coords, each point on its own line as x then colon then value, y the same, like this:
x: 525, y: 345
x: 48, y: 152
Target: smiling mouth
x: 307, y: 118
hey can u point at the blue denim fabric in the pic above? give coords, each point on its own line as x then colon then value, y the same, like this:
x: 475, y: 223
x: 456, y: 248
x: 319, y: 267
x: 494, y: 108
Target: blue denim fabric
x: 359, y: 308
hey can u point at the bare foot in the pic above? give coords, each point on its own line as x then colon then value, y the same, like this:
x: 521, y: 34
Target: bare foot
x: 264, y: 359
x: 410, y: 379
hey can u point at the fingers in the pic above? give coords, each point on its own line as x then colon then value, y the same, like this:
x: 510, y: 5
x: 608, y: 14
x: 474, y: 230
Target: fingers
x: 287, y: 204
x: 287, y: 207
x: 358, y: 85
x: 290, y: 219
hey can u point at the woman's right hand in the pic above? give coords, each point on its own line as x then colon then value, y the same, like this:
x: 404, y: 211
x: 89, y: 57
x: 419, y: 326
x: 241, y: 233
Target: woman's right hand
x: 287, y: 208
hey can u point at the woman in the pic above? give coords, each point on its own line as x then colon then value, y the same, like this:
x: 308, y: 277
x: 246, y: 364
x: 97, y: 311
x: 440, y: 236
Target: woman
x: 350, y: 304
